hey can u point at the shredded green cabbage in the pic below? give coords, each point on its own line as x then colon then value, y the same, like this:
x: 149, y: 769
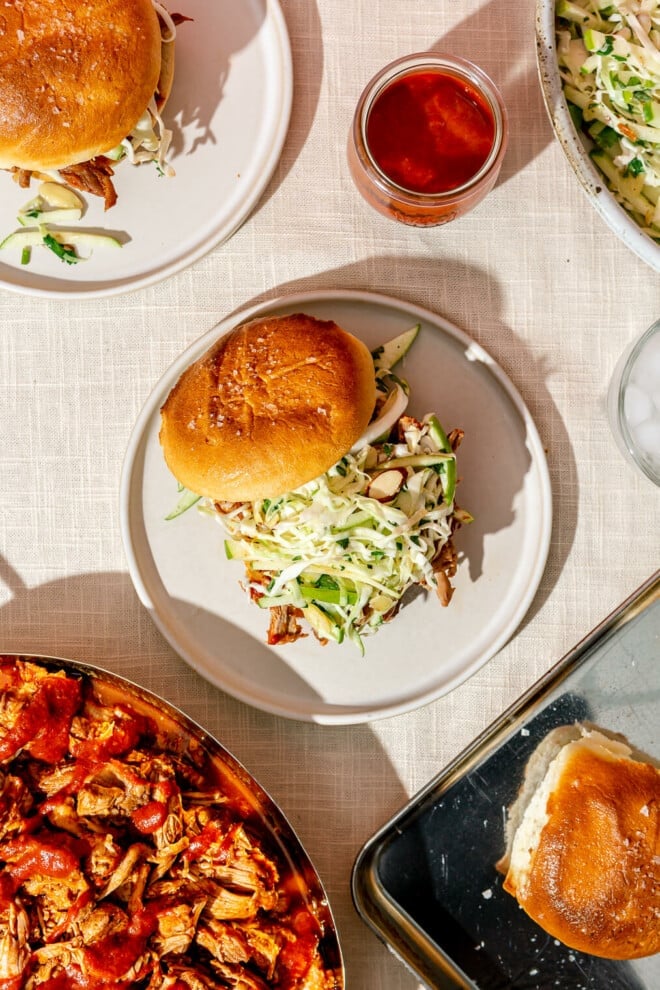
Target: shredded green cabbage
x: 149, y: 141
x: 345, y: 547
x: 609, y: 62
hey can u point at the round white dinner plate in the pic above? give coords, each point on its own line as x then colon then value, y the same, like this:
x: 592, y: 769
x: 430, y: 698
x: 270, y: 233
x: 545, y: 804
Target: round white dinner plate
x: 193, y: 592
x: 229, y: 112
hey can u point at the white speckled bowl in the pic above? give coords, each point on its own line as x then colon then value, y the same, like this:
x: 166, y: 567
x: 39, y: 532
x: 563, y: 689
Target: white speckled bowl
x: 576, y: 147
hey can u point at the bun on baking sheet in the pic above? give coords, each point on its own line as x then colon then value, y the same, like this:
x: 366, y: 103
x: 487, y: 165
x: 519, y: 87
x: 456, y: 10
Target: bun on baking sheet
x: 75, y: 77
x: 270, y: 406
x: 583, y: 844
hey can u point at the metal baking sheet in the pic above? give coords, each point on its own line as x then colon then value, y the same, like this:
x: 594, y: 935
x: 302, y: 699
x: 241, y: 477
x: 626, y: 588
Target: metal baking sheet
x: 427, y: 883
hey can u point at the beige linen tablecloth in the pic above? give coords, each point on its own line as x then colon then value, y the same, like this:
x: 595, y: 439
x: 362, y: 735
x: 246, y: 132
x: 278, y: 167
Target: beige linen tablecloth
x: 533, y: 275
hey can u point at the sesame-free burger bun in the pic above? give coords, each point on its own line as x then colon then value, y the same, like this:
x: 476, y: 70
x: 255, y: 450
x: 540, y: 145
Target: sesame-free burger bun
x: 583, y: 851
x: 75, y: 77
x: 270, y: 406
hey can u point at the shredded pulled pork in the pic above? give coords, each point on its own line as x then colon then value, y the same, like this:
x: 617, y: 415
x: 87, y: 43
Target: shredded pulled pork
x: 129, y: 859
x: 284, y: 626
x: 180, y: 19
x: 22, y: 176
x: 94, y: 177
x: 445, y: 562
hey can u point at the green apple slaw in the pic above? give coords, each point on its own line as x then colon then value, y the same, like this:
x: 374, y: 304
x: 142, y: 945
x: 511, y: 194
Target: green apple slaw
x: 342, y: 550
x: 609, y: 62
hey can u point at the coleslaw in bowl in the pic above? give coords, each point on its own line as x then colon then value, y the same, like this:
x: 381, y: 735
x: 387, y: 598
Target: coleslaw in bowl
x: 599, y: 66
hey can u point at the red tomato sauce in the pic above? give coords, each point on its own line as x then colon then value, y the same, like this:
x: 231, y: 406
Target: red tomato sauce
x: 430, y: 132
x: 149, y: 817
x: 53, y: 855
x: 211, y: 835
x: 296, y: 957
x: 44, y: 722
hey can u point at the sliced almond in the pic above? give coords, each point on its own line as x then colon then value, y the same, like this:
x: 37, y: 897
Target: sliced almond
x: 55, y: 194
x: 387, y: 484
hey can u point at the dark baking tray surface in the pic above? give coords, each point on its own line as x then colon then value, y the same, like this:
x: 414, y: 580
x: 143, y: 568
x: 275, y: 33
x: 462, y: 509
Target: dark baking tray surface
x: 426, y: 882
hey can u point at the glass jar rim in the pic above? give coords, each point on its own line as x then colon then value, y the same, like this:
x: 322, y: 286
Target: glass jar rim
x: 457, y: 67
x: 633, y: 448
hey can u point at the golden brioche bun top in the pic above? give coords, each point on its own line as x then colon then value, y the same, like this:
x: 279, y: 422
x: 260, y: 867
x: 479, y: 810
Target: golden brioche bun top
x: 75, y: 77
x: 270, y: 406
x: 590, y: 873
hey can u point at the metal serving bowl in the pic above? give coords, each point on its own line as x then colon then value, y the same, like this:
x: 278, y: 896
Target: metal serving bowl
x: 176, y: 734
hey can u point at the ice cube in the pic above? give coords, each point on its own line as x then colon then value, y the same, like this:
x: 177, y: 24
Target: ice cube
x: 646, y: 370
x: 637, y: 405
x: 647, y: 437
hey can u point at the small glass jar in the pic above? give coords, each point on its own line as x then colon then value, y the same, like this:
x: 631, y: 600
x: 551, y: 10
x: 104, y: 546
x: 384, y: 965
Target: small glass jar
x: 448, y: 188
x: 633, y: 403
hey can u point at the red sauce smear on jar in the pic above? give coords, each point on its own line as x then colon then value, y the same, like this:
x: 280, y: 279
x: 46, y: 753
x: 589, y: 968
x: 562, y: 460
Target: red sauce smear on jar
x: 430, y: 132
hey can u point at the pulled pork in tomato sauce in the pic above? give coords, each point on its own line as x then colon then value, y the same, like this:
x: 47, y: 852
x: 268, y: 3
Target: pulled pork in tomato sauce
x: 126, y: 860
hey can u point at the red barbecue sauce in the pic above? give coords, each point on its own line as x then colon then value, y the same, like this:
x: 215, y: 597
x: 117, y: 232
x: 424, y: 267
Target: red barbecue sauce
x: 296, y: 957
x: 149, y: 817
x: 53, y: 855
x: 91, y: 753
x: 43, y: 724
x: 109, y: 959
x: 212, y: 835
x: 430, y: 132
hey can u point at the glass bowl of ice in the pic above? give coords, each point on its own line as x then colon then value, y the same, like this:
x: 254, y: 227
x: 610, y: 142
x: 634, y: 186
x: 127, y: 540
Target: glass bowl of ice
x: 634, y: 403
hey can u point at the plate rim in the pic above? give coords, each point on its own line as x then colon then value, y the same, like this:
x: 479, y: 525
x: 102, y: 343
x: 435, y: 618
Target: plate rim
x: 592, y: 181
x: 336, y: 713
x: 275, y: 20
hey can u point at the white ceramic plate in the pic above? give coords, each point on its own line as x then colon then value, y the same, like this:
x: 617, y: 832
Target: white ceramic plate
x: 576, y: 146
x: 192, y: 592
x: 229, y: 110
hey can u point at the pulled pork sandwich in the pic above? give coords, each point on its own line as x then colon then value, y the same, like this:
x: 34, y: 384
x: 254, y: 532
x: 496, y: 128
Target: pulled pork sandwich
x: 132, y: 855
x: 293, y: 435
x: 583, y: 844
x: 82, y: 84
